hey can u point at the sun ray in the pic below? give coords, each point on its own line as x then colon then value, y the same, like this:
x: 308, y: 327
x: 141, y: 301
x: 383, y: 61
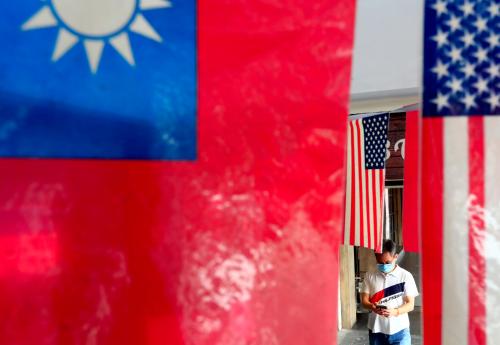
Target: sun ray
x: 42, y: 19
x: 141, y: 26
x: 122, y: 45
x: 93, y: 49
x: 65, y: 41
x: 154, y: 4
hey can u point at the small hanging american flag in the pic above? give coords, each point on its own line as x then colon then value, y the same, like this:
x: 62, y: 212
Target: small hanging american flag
x: 461, y: 173
x: 365, y: 181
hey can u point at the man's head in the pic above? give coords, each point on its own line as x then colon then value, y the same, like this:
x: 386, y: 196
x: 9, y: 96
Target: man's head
x: 388, y: 257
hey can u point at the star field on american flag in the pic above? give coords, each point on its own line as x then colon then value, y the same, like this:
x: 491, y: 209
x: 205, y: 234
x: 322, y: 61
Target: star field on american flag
x: 461, y: 62
x: 375, y: 134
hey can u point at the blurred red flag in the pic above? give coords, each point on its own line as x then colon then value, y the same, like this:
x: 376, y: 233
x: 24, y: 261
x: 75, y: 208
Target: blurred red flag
x: 411, y: 191
x: 238, y: 247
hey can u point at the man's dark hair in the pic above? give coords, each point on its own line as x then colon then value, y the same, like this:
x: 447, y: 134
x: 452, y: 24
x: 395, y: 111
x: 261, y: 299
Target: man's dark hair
x: 391, y: 247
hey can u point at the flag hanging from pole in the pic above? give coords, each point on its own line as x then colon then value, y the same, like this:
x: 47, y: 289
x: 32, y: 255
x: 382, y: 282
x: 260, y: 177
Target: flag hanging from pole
x: 461, y: 173
x: 365, y: 181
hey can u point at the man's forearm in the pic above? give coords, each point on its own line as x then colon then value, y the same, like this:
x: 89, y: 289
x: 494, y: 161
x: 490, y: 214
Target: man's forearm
x: 406, y: 308
x: 367, y: 305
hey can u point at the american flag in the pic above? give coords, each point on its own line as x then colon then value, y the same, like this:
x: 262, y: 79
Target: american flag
x: 365, y: 181
x: 461, y: 173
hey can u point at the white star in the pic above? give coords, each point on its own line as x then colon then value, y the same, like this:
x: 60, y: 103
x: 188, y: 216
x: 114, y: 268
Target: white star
x: 493, y: 9
x: 440, y: 69
x: 441, y: 38
x: 453, y: 23
x: 468, y: 39
x: 455, y: 84
x: 493, y: 100
x: 455, y: 54
x: 493, y: 39
x: 467, y: 8
x: 481, y: 85
x: 441, y: 101
x: 493, y: 70
x: 469, y: 101
x: 440, y: 7
x: 468, y: 69
x: 480, y: 24
x: 481, y: 54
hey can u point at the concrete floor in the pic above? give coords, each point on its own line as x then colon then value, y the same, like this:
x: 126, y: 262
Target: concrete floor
x: 358, y: 335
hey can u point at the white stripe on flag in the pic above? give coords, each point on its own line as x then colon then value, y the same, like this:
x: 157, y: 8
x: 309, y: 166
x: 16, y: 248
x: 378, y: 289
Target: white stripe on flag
x: 363, y: 184
x: 357, y: 214
x: 347, y: 219
x: 492, y: 221
x: 371, y: 224
x: 455, y: 232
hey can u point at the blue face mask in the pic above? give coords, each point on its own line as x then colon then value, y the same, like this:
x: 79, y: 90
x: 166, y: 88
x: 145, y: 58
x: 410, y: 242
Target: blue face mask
x: 385, y: 268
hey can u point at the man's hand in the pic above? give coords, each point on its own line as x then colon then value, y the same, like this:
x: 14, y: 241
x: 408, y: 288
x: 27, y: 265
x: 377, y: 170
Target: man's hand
x: 390, y: 312
x: 377, y: 310
x: 405, y: 308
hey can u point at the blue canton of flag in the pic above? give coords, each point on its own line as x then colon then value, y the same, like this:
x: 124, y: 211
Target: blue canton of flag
x: 109, y: 79
x: 461, y: 62
x: 375, y: 135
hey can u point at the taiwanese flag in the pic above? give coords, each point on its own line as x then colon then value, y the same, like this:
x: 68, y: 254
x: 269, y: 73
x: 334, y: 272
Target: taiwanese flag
x: 189, y: 180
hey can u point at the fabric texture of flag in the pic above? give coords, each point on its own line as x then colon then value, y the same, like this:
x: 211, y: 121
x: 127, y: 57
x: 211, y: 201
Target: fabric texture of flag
x: 411, y: 190
x: 461, y: 173
x: 365, y: 181
x: 232, y: 248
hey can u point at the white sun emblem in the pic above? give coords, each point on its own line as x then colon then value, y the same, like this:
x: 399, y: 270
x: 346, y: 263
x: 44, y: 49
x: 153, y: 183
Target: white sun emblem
x: 96, y: 22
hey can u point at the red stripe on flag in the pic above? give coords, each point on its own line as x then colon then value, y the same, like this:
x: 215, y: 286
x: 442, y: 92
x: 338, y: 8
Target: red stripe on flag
x: 380, y: 229
x: 432, y: 228
x: 353, y: 203
x: 360, y: 169
x: 411, y: 195
x: 368, y: 206
x: 477, y: 232
x: 375, y: 214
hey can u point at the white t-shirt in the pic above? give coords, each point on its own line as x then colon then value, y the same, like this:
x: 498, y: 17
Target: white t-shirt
x: 389, y: 290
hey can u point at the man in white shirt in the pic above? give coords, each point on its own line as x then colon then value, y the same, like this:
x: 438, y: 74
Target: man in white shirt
x: 390, y: 294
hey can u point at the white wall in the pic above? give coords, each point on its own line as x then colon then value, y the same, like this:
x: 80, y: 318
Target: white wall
x: 387, y: 52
